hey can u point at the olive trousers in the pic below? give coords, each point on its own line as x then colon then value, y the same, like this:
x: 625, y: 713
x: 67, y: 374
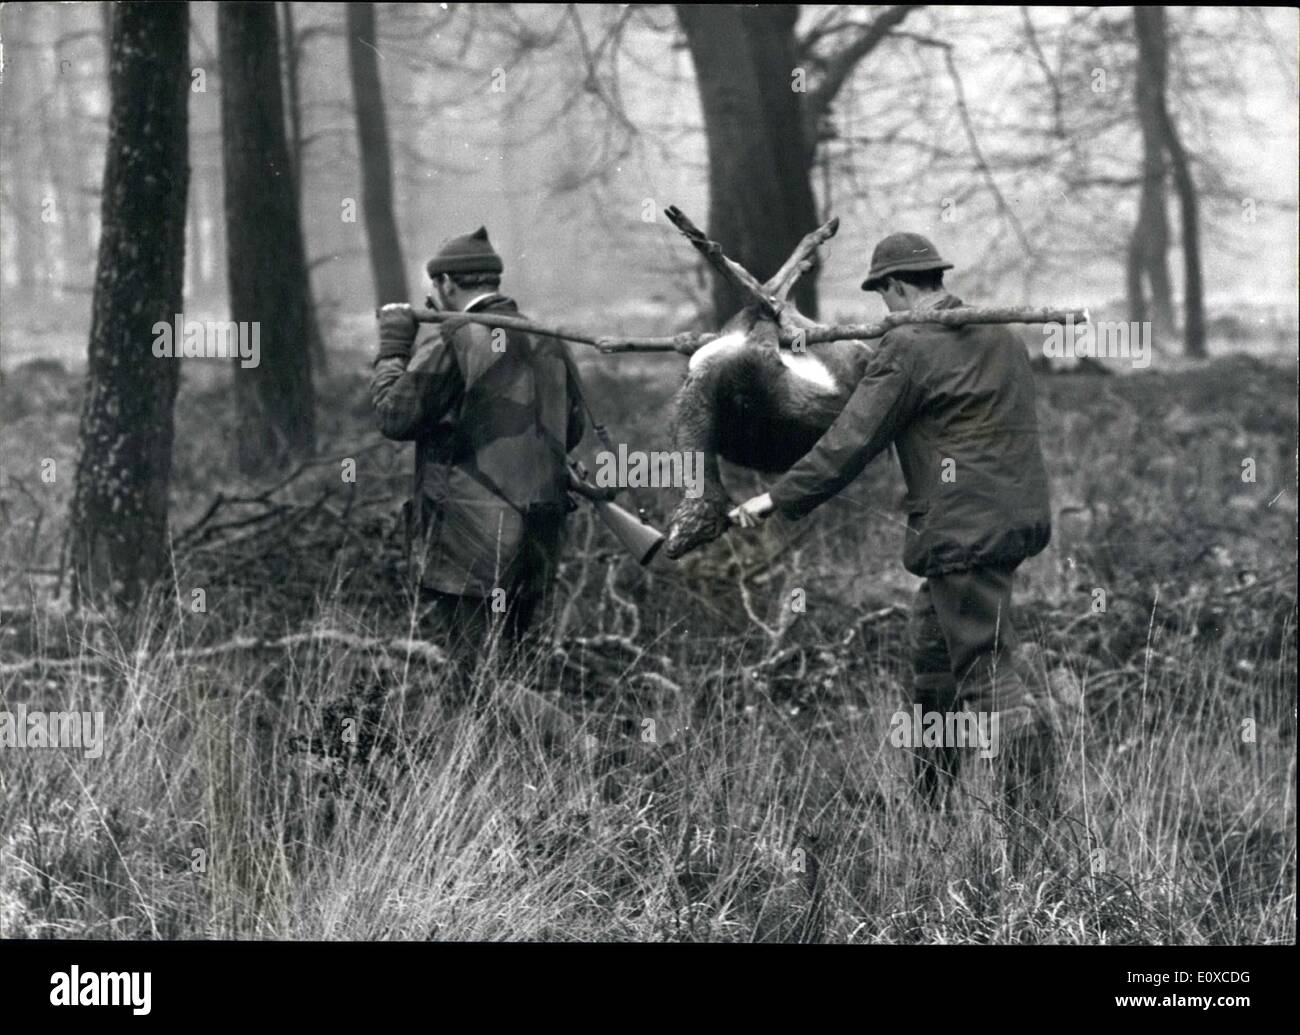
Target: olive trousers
x: 963, y: 657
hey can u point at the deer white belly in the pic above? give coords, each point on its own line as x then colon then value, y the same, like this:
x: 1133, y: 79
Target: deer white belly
x: 810, y: 369
x: 802, y: 365
x: 727, y: 343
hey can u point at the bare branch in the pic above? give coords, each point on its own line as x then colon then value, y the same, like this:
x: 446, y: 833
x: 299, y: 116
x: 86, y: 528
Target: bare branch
x: 977, y: 153
x: 839, y: 66
x: 1031, y: 34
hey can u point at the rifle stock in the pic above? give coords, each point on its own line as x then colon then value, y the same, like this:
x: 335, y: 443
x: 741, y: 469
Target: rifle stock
x: 641, y: 539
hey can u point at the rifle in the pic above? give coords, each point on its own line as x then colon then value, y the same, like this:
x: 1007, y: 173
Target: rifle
x: 641, y: 539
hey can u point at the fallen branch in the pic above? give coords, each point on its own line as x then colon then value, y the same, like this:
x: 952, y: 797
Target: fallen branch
x: 431, y: 653
x: 203, y: 529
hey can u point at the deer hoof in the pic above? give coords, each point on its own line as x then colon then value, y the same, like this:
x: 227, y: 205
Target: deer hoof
x: 696, y: 522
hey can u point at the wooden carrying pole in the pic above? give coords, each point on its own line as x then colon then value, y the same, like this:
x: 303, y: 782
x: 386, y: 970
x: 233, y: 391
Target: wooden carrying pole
x: 794, y: 330
x: 687, y: 343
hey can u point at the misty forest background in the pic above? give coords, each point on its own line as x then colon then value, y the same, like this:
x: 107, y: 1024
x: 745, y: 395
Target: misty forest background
x: 182, y: 547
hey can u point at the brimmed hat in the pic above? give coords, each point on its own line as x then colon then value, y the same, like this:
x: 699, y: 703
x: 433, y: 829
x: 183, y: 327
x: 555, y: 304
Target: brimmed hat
x: 469, y: 253
x: 903, y: 253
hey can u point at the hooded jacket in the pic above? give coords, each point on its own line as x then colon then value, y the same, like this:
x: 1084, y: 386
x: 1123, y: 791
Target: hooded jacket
x: 958, y: 405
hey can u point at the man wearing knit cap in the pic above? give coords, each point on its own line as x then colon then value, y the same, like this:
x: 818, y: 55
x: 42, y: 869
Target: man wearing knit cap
x: 957, y: 403
x: 493, y: 414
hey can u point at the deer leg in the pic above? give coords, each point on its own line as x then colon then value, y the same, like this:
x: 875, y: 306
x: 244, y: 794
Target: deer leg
x: 695, y: 429
x: 769, y: 298
x: 801, y: 260
x: 746, y: 282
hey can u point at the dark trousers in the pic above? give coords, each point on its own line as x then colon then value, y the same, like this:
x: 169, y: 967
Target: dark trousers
x: 469, y: 625
x: 477, y: 629
x: 963, y: 656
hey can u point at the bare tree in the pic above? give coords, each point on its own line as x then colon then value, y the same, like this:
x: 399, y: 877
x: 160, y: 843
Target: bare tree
x: 766, y: 96
x: 265, y: 256
x: 1160, y: 138
x: 1088, y: 147
x: 1148, y: 251
x: 376, y: 159
x: 118, y: 528
x: 292, y: 55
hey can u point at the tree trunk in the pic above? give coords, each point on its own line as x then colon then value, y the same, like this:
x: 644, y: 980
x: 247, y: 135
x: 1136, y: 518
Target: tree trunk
x: 1193, y: 287
x: 1148, y: 253
x: 376, y: 162
x: 292, y: 85
x: 264, y: 249
x: 20, y: 201
x: 1153, y: 20
x: 79, y: 162
x: 118, y: 527
x: 760, y: 162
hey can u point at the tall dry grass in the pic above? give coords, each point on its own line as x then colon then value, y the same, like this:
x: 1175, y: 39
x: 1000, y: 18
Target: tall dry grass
x: 331, y: 791
x: 327, y: 793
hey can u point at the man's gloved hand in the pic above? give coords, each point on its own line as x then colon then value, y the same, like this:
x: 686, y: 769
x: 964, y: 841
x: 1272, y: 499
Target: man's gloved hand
x: 397, y: 330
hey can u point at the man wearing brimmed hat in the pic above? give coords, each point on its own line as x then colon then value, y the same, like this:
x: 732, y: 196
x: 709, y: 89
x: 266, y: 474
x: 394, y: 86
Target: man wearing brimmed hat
x: 493, y: 414
x: 958, y: 405
x: 904, y: 253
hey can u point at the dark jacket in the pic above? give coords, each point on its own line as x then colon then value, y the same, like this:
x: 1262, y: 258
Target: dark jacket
x: 964, y: 394
x: 493, y: 414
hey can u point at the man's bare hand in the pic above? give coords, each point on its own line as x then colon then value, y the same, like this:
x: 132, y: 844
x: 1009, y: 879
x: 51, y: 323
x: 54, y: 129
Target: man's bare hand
x: 752, y: 512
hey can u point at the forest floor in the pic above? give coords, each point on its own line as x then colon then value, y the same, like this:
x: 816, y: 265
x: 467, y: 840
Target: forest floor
x: 687, y: 758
